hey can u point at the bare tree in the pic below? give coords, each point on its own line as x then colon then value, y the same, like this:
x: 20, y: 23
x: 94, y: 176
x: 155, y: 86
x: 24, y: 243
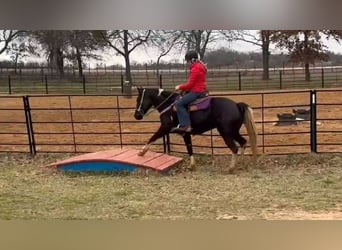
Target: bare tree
x: 19, y: 48
x: 306, y: 46
x: 262, y: 39
x: 57, y: 46
x: 124, y: 42
x: 198, y: 40
x: 6, y: 37
x: 54, y: 43
x: 83, y: 44
x: 165, y: 41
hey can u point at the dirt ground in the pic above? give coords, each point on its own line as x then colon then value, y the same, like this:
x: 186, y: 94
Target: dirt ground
x: 102, y: 122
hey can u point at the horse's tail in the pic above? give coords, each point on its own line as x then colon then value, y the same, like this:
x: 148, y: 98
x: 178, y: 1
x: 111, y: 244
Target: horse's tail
x: 250, y: 126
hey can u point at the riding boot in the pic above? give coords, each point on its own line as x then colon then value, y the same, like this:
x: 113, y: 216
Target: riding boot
x: 182, y: 130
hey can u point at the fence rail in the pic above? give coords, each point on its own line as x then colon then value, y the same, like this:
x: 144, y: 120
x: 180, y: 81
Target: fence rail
x: 87, y: 123
x: 108, y: 82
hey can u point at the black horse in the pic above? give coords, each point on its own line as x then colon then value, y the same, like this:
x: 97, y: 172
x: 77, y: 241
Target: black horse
x: 223, y: 114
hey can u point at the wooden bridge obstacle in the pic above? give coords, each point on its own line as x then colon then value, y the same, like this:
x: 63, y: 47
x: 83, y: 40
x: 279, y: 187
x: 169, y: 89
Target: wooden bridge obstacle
x: 117, y: 160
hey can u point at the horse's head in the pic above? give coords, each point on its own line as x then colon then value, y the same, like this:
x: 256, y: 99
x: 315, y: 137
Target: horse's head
x: 145, y: 100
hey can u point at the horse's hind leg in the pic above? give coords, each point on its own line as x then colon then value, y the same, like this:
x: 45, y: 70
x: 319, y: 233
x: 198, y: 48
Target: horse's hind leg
x: 228, y: 139
x: 188, y: 143
x: 242, y: 142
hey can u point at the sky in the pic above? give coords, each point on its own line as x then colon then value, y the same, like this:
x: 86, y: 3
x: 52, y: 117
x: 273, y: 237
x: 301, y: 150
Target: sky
x: 143, y: 56
x: 150, y: 55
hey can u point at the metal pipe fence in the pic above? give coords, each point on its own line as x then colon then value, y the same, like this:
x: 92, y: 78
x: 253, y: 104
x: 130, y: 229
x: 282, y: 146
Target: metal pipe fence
x: 217, y: 80
x: 87, y: 123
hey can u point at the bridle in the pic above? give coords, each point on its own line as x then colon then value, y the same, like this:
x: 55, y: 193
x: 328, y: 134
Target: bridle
x: 141, y: 111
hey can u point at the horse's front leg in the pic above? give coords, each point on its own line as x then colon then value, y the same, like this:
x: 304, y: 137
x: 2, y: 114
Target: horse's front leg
x: 188, y: 144
x: 144, y: 150
x: 160, y: 133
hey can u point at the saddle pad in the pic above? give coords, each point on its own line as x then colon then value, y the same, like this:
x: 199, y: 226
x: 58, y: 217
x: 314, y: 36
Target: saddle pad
x: 199, y: 104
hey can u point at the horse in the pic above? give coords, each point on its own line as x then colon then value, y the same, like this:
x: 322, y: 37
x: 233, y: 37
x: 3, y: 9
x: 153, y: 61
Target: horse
x: 223, y: 113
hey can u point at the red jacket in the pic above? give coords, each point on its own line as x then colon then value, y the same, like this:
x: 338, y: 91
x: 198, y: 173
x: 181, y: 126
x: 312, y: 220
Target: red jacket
x: 197, y: 81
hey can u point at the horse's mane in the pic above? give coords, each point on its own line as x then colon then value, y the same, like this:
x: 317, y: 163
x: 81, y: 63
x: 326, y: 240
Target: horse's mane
x: 167, y: 93
x: 166, y: 98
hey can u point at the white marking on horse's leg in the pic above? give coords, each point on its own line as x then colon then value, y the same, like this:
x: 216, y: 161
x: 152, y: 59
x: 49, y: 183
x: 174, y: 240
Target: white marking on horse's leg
x: 192, y: 160
x: 192, y: 163
x: 232, y: 162
x: 242, y: 152
x: 213, y: 163
x: 144, y: 149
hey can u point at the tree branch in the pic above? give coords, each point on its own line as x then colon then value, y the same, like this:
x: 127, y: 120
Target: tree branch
x: 7, y: 38
x: 141, y: 41
x: 112, y: 45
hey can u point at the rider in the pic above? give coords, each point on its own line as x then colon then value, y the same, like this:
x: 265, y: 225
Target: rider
x: 195, y: 87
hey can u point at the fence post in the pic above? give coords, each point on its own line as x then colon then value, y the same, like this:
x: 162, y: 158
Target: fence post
x: 119, y: 119
x: 46, y: 85
x: 122, y: 84
x: 322, y: 78
x: 211, y: 142
x: 72, y: 124
x: 281, y: 79
x: 168, y: 143
x: 239, y: 80
x: 84, y: 86
x: 263, y: 121
x: 42, y: 73
x: 29, y: 125
x: 313, y: 121
x: 9, y: 85
x: 160, y: 81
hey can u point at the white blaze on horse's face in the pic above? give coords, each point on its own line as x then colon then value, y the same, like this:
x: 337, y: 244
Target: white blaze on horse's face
x: 139, y: 112
x: 141, y: 100
x: 160, y: 91
x: 145, y: 101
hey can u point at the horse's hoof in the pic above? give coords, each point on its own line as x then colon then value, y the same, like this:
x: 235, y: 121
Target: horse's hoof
x: 231, y: 170
x: 242, y: 152
x: 141, y: 153
x: 192, y: 168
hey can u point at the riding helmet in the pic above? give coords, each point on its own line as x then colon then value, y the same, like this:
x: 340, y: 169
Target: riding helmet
x: 191, y: 56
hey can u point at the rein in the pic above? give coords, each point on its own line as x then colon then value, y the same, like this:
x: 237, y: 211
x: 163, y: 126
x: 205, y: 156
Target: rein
x: 163, y: 111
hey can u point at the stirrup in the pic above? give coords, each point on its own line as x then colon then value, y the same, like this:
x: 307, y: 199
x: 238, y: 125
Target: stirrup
x: 179, y: 129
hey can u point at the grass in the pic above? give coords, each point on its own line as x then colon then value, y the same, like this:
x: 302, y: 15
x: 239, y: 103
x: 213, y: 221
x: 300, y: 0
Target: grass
x: 303, y: 185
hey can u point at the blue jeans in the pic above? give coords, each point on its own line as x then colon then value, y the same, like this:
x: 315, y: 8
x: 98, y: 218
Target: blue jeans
x: 182, y: 108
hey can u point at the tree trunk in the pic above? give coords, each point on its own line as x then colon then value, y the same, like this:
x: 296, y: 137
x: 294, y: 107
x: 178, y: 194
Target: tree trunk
x: 58, y: 62
x: 128, y: 74
x: 79, y: 63
x: 16, y: 63
x: 51, y: 59
x: 265, y: 54
x: 265, y: 64
x: 307, y: 72
x: 128, y: 85
x: 197, y: 34
x: 307, y: 66
x: 158, y: 65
